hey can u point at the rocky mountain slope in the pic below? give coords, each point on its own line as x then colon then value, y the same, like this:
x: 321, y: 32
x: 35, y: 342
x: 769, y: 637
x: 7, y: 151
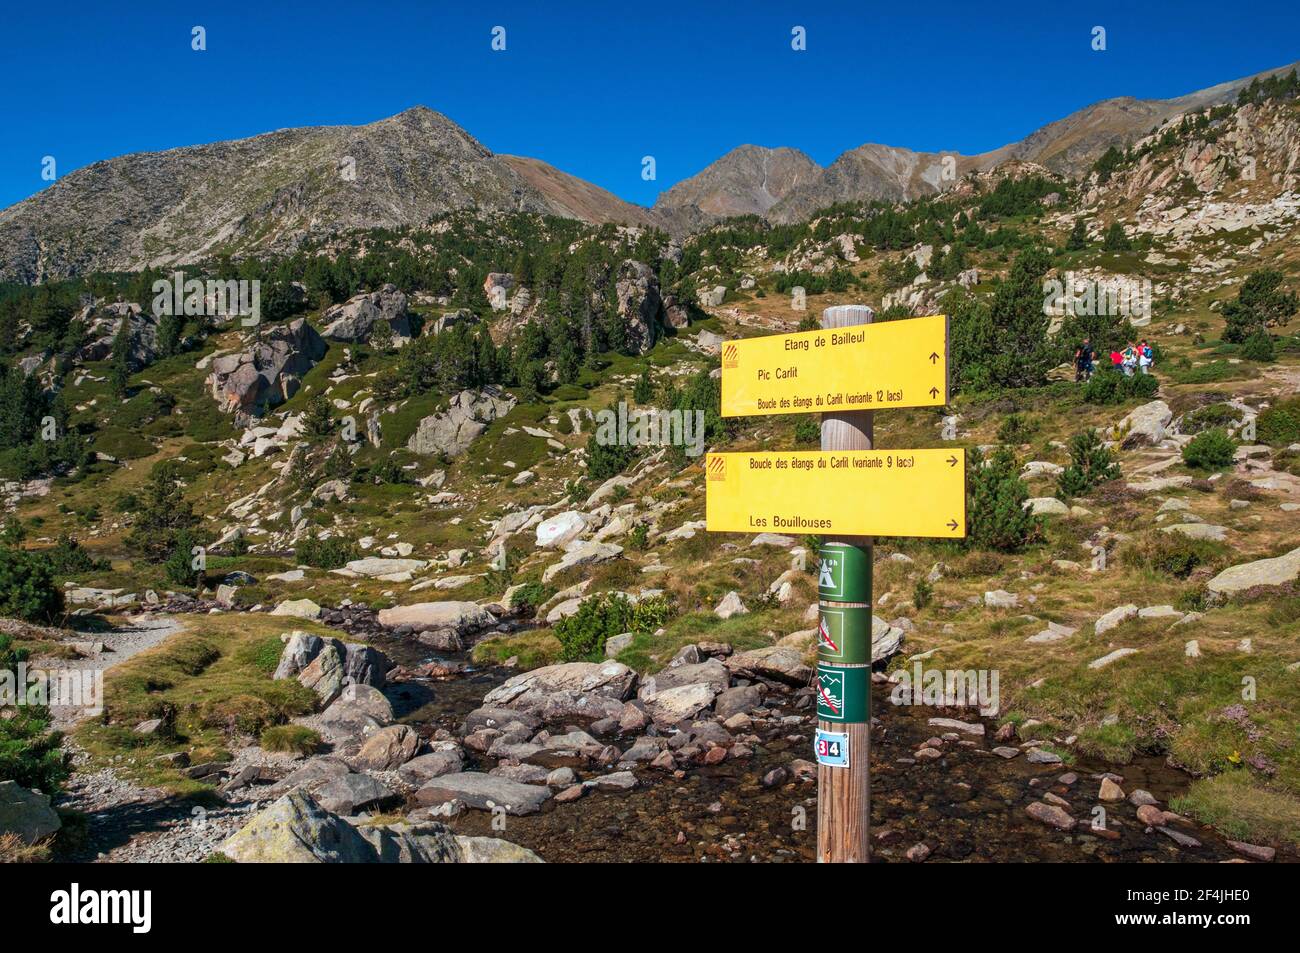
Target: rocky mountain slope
x: 273, y: 191
x: 746, y: 181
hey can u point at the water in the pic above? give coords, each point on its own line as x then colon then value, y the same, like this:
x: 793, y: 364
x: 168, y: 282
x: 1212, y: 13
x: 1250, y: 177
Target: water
x: 967, y: 806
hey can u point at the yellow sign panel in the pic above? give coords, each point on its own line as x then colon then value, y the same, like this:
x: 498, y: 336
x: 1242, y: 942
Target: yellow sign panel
x: 838, y: 492
x: 867, y: 367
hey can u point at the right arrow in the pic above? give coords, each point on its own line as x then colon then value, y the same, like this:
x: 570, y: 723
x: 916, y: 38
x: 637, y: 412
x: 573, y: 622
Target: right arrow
x: 952, y: 525
x: 952, y: 461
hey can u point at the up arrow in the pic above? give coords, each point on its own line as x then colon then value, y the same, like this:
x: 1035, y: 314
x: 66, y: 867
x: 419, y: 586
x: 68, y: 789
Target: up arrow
x: 934, y: 357
x: 934, y: 392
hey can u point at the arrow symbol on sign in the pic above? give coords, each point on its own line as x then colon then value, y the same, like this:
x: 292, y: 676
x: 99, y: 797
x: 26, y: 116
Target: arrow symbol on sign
x: 934, y: 392
x: 952, y: 461
x: 934, y: 356
x: 829, y: 704
x: 826, y: 636
x: 952, y: 525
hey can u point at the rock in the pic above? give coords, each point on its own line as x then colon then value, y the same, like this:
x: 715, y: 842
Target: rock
x: 617, y: 643
x: 636, y: 293
x: 1046, y: 506
x: 1144, y: 425
x: 270, y: 371
x: 26, y: 814
x: 561, y: 529
x: 1112, y: 657
x: 618, y: 782
x: 1001, y: 599
x: 729, y: 606
x: 772, y: 539
x: 378, y: 567
x: 585, y: 554
x: 734, y: 701
x: 424, y: 768
x: 331, y: 491
x: 1039, y: 756
x: 1114, y: 617
x: 297, y: 608
x: 1008, y: 753
x: 460, y: 617
x: 1277, y: 571
x: 672, y: 705
x: 354, y: 319
x: 350, y: 793
x: 324, y: 674
x: 529, y: 690
x: 388, y: 749
x: 780, y: 663
x: 917, y: 853
x: 296, y: 829
x: 1253, y: 851
x: 1178, y: 837
x: 1110, y: 791
x: 484, y: 792
x: 1051, y: 815
x: 1054, y: 632
x: 1198, y: 531
x: 493, y: 850
x: 952, y: 724
x: 467, y: 416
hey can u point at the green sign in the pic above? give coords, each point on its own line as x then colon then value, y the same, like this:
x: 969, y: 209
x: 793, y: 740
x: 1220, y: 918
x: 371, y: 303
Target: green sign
x: 843, y: 694
x: 844, y: 634
x: 845, y: 573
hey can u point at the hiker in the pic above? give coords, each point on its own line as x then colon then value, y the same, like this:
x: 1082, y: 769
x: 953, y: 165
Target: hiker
x: 1130, y: 359
x: 1116, y: 360
x: 1146, y: 357
x: 1083, y: 361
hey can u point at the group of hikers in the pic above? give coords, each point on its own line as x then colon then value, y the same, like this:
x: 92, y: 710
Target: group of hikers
x: 1134, y: 358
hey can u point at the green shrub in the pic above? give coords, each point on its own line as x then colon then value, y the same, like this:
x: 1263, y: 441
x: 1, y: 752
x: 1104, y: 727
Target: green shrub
x: 922, y: 593
x: 1211, y: 415
x: 639, y: 537
x: 1279, y: 426
x: 1258, y: 347
x: 27, y: 589
x: 995, y: 503
x: 1171, y: 554
x: 30, y: 753
x: 1113, y: 387
x: 807, y: 430
x: 1091, y: 463
x: 332, y: 553
x: 530, y: 595
x: 1017, y: 429
x: 1209, y: 450
x: 583, y: 635
x: 67, y: 558
x: 297, y: 739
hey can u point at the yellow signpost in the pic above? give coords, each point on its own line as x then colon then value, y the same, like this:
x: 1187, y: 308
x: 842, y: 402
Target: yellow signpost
x: 838, y: 492
x: 846, y: 493
x: 864, y: 367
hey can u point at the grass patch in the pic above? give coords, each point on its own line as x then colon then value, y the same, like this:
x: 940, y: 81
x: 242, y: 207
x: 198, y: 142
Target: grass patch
x: 1243, y: 809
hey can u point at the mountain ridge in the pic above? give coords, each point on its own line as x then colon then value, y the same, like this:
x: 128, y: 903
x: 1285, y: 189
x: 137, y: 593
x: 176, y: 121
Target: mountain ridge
x: 272, y: 191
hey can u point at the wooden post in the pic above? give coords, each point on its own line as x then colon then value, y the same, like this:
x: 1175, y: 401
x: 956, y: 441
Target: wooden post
x: 843, y: 793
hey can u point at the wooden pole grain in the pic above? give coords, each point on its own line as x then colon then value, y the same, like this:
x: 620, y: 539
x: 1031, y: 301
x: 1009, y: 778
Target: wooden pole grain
x: 844, y: 794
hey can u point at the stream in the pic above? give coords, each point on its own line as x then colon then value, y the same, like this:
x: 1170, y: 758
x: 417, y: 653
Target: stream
x: 968, y: 805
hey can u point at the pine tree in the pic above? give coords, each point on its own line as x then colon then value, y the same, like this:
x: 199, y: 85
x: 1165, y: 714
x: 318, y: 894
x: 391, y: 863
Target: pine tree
x: 1078, y: 240
x: 119, y: 369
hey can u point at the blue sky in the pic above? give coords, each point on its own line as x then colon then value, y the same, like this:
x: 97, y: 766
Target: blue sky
x: 593, y: 87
